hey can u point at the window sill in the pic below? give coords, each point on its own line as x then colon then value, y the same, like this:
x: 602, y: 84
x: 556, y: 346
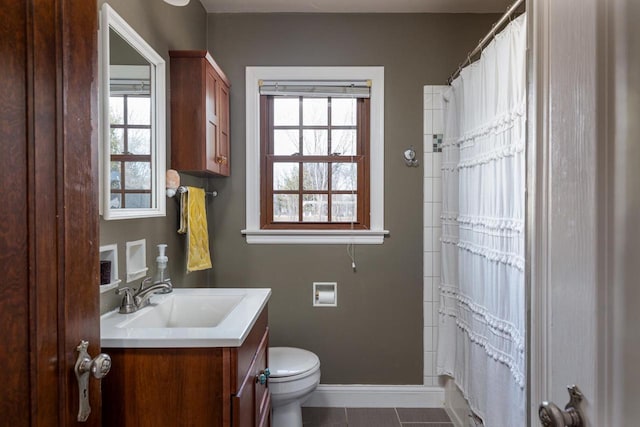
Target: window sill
x: 316, y: 237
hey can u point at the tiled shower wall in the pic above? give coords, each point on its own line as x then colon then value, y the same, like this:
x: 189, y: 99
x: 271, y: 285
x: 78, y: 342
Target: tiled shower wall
x: 433, y: 130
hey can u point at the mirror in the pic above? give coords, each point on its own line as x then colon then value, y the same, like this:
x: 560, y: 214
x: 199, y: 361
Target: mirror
x: 133, y: 121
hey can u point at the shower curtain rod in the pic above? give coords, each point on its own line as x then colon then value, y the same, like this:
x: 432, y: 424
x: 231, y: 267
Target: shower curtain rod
x: 494, y: 29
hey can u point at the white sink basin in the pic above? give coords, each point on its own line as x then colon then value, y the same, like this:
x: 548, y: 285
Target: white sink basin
x: 186, y: 311
x: 187, y: 317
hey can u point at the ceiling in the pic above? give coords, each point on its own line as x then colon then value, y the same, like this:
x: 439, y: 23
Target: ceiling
x: 356, y: 6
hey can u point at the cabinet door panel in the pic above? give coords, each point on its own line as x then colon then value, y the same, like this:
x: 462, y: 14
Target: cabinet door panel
x: 265, y: 418
x: 243, y: 404
x: 252, y: 403
x: 213, y: 122
x: 222, y: 155
x: 262, y: 396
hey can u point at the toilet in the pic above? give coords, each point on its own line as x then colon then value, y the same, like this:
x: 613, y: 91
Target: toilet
x: 294, y: 375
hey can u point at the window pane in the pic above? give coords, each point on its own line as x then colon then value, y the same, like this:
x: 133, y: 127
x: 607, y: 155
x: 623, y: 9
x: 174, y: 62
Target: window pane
x: 286, y: 142
x: 116, y: 110
x: 344, y: 176
x: 286, y: 176
x: 137, y: 200
x: 343, y: 142
x: 285, y: 208
x: 344, y: 207
x: 315, y: 208
x: 343, y: 111
x: 116, y: 201
x: 315, y: 111
x: 139, y: 141
x: 314, y: 142
x: 116, y: 141
x: 115, y: 175
x: 315, y: 176
x: 137, y: 175
x: 139, y: 110
x: 286, y: 111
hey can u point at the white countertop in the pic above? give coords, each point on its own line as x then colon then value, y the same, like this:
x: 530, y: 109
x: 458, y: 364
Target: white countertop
x: 230, y: 332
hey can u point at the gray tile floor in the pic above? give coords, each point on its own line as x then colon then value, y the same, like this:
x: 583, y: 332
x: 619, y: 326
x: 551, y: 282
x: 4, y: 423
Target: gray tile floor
x: 375, y: 417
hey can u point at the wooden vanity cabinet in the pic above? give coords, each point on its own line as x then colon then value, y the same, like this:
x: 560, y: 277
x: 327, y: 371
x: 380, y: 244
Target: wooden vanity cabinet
x: 213, y: 387
x: 199, y: 114
x: 251, y: 404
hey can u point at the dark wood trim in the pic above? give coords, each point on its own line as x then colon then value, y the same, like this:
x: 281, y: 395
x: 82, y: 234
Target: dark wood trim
x: 146, y: 158
x: 201, y: 54
x: 16, y: 114
x: 45, y: 145
x: 49, y: 294
x: 266, y: 172
x: 78, y: 173
x: 267, y: 160
x: 314, y: 226
x: 365, y: 126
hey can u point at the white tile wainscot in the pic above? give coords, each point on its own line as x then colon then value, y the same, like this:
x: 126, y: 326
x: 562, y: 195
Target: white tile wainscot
x: 433, y: 129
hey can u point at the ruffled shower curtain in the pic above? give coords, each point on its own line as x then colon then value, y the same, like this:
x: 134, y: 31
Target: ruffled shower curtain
x: 481, y: 341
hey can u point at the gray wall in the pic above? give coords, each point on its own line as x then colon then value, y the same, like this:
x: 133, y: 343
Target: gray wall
x: 164, y: 27
x: 374, y: 336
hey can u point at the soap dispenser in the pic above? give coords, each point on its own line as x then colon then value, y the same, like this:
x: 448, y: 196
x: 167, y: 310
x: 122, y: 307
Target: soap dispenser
x: 162, y: 275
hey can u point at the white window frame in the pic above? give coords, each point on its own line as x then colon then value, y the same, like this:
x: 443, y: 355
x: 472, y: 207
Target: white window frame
x: 376, y: 233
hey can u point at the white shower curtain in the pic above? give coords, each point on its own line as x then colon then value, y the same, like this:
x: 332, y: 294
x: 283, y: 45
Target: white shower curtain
x: 481, y: 341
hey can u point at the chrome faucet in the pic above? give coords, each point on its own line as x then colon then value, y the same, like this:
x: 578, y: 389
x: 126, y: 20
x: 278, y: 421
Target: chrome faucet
x: 133, y: 301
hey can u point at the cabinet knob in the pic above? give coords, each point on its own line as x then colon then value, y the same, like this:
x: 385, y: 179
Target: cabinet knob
x: 263, y: 376
x: 222, y: 160
x: 262, y: 379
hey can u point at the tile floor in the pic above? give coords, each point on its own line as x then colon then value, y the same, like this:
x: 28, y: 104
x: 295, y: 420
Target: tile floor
x: 375, y: 417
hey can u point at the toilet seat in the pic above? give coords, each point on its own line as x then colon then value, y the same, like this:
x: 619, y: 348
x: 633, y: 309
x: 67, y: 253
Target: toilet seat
x: 291, y: 364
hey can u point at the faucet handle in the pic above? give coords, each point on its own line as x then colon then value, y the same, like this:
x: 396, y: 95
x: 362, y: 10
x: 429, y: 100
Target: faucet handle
x: 145, y: 282
x: 126, y: 290
x: 128, y: 304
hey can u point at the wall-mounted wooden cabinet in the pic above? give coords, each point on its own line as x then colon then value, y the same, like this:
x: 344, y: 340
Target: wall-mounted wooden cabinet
x: 199, y: 114
x: 168, y: 387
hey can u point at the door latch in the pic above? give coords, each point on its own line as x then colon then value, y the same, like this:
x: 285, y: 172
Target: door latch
x: 552, y: 416
x: 85, y: 365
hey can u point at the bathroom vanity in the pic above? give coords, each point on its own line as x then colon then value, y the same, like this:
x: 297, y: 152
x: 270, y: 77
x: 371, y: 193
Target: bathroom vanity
x: 171, y: 367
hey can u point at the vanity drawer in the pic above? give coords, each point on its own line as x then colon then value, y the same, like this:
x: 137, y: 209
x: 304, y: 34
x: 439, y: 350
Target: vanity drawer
x: 244, y: 355
x: 251, y: 405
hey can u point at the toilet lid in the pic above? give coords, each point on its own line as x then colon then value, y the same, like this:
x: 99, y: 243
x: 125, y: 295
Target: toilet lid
x: 289, y: 361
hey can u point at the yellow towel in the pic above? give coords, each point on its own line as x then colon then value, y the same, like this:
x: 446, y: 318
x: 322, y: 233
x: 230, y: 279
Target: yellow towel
x: 193, y: 222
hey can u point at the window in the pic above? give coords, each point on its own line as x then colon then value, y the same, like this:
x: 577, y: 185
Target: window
x: 315, y: 157
x: 130, y: 142
x: 314, y: 153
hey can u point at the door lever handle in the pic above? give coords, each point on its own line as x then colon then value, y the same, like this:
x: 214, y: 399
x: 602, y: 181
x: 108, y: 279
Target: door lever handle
x: 85, y: 365
x: 552, y: 416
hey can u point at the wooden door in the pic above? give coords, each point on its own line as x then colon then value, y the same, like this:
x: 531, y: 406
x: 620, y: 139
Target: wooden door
x: 48, y: 215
